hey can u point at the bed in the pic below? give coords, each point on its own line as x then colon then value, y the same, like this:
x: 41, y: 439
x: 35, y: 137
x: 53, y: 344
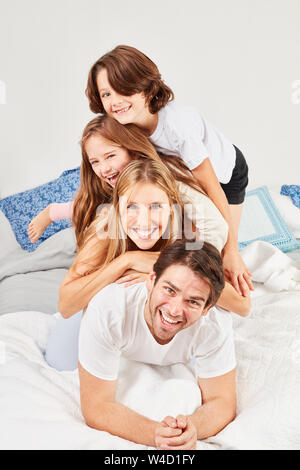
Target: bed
x: 40, y: 407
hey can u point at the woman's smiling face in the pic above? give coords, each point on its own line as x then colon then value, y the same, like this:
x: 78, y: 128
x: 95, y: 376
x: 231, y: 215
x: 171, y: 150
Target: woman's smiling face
x: 107, y: 159
x: 145, y: 212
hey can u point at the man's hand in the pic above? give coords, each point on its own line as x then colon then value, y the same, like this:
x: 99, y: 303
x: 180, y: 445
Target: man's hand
x: 176, y: 434
x: 165, y: 431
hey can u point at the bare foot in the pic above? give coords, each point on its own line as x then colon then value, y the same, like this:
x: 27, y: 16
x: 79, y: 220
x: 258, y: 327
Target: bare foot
x: 38, y: 225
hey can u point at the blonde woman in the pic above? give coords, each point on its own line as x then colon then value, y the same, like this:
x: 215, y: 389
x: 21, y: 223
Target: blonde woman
x: 121, y: 245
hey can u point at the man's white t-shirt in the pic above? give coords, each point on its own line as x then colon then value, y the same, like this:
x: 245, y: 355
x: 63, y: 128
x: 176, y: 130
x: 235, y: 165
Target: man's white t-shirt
x: 183, y: 131
x: 114, y: 326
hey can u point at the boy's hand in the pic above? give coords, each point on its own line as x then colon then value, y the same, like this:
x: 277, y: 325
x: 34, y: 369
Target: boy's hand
x: 236, y: 272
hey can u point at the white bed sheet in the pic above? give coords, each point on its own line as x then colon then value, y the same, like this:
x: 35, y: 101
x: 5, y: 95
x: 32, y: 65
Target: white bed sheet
x: 40, y: 409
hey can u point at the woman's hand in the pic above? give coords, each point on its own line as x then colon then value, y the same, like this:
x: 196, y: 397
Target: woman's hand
x: 141, y: 261
x: 236, y: 272
x: 132, y: 277
x: 139, y: 265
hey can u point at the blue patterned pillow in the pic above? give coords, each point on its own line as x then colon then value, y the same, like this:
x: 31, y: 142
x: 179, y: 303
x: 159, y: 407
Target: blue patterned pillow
x: 292, y: 190
x: 261, y: 220
x: 21, y: 208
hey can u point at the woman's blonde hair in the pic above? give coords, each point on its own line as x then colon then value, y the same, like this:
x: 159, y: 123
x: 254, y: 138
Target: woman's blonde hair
x: 109, y: 228
x: 93, y: 191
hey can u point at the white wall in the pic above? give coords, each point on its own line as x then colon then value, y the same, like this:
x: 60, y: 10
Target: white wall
x: 236, y: 60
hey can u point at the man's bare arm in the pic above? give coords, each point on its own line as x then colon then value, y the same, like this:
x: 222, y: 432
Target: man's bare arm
x: 217, y: 410
x: 101, y: 412
x: 218, y: 405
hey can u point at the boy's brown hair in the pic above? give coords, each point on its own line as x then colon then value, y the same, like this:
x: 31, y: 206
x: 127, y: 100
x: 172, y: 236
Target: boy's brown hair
x: 129, y: 71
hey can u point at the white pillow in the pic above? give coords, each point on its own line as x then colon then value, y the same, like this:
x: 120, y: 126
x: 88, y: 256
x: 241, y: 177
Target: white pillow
x: 8, y: 242
x: 288, y: 211
x: 56, y: 252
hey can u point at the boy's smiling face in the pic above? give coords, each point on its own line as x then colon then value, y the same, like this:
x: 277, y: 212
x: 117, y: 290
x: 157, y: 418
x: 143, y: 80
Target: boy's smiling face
x: 125, y: 109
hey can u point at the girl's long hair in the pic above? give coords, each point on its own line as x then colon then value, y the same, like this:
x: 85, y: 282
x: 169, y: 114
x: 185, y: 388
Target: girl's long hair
x: 129, y: 71
x: 93, y: 191
x: 109, y: 228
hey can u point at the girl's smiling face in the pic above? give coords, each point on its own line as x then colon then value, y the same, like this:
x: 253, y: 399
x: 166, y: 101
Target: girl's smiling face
x: 125, y: 109
x: 144, y: 214
x: 107, y: 159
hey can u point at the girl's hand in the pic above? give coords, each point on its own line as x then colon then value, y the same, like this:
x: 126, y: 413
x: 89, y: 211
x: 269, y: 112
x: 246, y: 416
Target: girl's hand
x: 131, y: 277
x: 141, y: 261
x: 236, y: 272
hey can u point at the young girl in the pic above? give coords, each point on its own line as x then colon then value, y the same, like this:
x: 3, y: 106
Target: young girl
x: 141, y: 214
x: 107, y: 148
x: 127, y: 85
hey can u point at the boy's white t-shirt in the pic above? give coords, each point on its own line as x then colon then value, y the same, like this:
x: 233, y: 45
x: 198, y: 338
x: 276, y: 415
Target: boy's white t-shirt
x: 114, y: 326
x: 183, y: 131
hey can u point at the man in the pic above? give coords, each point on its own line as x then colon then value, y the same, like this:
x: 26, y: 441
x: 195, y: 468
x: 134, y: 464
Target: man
x: 142, y: 323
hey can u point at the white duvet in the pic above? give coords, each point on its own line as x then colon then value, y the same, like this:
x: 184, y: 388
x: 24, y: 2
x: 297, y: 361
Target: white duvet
x: 40, y: 408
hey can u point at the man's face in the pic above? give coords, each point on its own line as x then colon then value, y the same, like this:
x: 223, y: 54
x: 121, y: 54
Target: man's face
x: 175, y: 302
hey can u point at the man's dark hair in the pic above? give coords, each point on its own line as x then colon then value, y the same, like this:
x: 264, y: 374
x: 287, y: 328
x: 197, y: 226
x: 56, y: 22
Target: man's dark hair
x: 205, y: 262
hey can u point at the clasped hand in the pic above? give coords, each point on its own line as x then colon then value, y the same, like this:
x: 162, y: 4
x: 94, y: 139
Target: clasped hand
x: 176, y: 434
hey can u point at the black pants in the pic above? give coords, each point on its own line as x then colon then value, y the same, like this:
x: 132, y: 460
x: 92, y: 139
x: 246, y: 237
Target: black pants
x: 235, y: 189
